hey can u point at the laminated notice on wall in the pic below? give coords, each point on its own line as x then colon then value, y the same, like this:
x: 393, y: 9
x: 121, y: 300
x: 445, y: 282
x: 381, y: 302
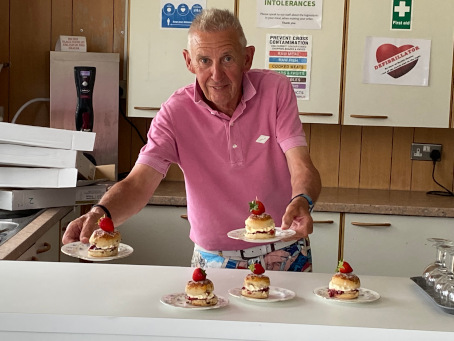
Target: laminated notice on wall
x: 291, y: 55
x: 305, y: 14
x: 180, y: 13
x: 71, y: 44
x: 397, y: 61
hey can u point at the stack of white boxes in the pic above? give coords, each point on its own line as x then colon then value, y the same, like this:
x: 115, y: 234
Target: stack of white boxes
x: 40, y: 167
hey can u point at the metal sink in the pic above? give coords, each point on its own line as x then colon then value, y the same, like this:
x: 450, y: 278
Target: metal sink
x: 12, y: 222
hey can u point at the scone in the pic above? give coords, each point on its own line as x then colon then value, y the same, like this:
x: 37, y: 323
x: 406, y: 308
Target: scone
x: 259, y: 225
x: 200, y: 291
x: 344, y: 284
x: 256, y: 284
x: 104, y: 241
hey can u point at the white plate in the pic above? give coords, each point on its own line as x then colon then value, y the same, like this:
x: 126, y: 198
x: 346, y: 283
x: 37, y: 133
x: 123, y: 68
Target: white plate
x: 365, y: 296
x: 276, y: 294
x: 178, y: 300
x: 280, y: 234
x: 80, y: 250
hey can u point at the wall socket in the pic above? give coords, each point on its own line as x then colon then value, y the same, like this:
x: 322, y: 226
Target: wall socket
x: 421, y: 151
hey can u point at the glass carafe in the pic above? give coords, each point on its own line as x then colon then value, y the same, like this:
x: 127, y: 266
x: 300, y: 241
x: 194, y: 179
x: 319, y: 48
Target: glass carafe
x: 447, y: 290
x: 439, y: 266
x: 438, y: 256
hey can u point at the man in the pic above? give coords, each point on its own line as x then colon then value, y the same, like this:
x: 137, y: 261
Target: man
x: 236, y: 135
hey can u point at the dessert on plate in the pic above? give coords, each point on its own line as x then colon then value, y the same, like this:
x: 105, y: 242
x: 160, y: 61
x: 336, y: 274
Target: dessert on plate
x: 259, y: 225
x: 256, y: 284
x: 344, y: 284
x: 199, y: 291
x: 105, y: 240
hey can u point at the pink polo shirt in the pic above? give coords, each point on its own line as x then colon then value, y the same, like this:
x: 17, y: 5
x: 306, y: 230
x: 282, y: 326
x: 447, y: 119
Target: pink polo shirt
x: 228, y: 161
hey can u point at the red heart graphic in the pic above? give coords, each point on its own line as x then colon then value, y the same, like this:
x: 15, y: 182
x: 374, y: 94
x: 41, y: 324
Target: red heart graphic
x: 386, y: 51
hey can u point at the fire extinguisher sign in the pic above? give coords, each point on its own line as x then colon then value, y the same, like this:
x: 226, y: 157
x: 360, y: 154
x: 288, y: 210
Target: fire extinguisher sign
x: 401, y: 14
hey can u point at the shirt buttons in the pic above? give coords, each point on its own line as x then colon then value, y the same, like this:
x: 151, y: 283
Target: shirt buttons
x: 234, y: 146
x: 231, y: 124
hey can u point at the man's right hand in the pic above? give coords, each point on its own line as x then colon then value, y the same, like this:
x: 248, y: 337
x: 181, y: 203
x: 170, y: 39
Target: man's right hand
x: 81, y: 228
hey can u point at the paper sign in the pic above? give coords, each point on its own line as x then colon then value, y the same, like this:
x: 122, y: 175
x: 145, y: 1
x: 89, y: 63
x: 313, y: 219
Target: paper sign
x: 291, y: 55
x: 290, y: 14
x: 180, y: 13
x: 71, y: 44
x: 397, y: 61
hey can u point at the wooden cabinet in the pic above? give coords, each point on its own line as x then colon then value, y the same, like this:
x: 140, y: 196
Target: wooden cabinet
x: 399, y: 105
x: 159, y: 235
x: 156, y: 67
x: 389, y: 245
x: 46, y: 248
x: 326, y: 58
x: 75, y: 213
x: 325, y: 241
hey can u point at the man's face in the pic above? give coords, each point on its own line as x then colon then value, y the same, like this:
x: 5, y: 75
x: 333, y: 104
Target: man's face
x: 218, y: 61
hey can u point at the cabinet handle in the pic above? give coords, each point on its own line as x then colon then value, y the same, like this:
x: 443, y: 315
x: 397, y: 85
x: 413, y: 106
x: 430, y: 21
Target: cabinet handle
x: 46, y: 247
x: 356, y: 223
x: 323, y: 221
x: 316, y: 114
x: 184, y: 216
x: 369, y: 116
x: 146, y: 108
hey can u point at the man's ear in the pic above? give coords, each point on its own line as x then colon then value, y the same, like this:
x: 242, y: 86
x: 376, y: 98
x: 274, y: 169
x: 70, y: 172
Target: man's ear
x: 250, y: 50
x: 187, y: 59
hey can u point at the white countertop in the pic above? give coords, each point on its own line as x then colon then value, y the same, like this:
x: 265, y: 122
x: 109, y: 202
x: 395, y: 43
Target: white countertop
x: 111, y: 301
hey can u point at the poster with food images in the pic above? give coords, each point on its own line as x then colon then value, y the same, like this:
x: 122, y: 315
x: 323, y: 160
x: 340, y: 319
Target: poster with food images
x: 396, y: 61
x: 291, y: 55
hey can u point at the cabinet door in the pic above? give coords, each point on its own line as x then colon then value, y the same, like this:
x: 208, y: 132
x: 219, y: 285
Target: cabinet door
x: 399, y: 105
x: 46, y: 248
x: 326, y: 58
x: 388, y: 245
x: 159, y: 236
x: 64, y: 222
x: 325, y: 241
x: 156, y: 66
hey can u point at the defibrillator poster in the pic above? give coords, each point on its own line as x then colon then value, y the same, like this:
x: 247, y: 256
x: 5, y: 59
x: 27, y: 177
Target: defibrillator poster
x: 397, y: 61
x: 180, y: 13
x: 291, y: 56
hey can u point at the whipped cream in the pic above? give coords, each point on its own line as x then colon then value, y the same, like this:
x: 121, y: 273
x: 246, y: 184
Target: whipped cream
x: 204, y: 296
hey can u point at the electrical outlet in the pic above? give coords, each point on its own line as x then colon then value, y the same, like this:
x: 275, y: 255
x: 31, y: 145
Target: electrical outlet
x: 422, y: 151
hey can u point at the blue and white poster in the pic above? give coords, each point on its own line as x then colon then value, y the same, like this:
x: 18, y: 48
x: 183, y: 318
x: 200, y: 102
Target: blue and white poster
x: 180, y: 13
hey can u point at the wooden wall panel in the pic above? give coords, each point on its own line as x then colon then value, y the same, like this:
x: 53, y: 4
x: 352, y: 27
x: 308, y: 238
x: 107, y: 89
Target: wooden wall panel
x: 422, y: 170
x: 62, y: 20
x: 4, y: 58
x: 30, y: 29
x: 350, y: 156
x: 94, y: 20
x: 119, y: 33
x: 376, y: 154
x: 400, y: 159
x: 325, y: 152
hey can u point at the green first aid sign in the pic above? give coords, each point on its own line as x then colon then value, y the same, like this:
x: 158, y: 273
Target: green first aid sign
x: 401, y: 14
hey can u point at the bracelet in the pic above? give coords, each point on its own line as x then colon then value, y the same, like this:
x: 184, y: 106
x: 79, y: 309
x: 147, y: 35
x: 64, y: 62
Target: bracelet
x: 106, y: 211
x: 308, y: 198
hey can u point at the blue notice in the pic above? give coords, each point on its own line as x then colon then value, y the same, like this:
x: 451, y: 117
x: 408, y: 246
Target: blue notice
x: 179, y: 17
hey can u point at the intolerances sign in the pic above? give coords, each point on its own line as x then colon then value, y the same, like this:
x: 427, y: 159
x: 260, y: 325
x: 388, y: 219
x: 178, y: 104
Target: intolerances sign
x: 397, y: 61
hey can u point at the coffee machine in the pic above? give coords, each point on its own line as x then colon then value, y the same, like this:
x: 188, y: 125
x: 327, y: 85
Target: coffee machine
x: 84, y: 77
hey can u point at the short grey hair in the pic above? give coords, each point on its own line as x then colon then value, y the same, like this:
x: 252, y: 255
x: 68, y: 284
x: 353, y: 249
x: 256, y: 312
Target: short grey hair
x: 216, y: 20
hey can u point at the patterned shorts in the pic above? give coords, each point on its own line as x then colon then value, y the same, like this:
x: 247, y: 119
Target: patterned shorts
x: 295, y: 257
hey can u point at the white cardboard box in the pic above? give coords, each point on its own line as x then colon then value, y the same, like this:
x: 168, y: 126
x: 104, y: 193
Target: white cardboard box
x: 46, y: 137
x: 29, y: 156
x: 24, y: 199
x: 23, y: 177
